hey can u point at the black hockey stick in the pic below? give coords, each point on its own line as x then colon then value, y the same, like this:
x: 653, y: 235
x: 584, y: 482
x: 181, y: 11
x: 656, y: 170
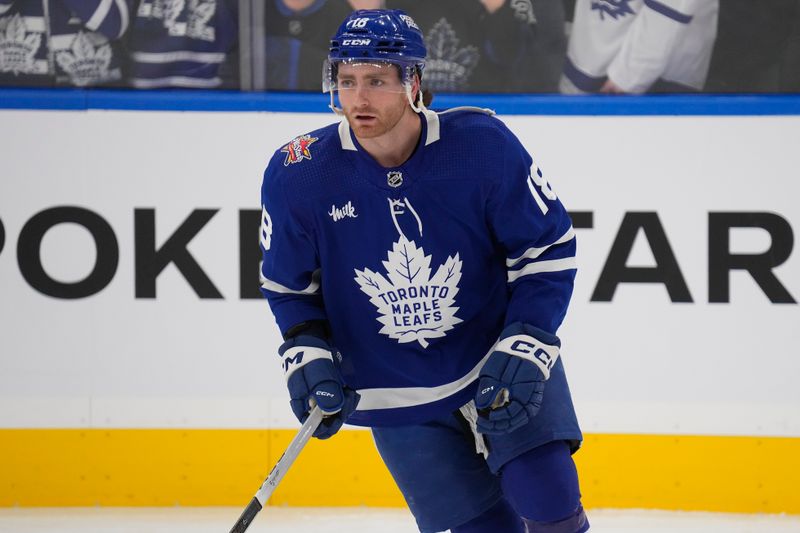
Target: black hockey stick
x: 278, y: 471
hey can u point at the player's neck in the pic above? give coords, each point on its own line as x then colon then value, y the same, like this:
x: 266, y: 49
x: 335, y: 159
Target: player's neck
x: 394, y: 147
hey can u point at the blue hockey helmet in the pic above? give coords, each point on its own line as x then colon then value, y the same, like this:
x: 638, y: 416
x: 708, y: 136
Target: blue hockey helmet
x: 376, y: 35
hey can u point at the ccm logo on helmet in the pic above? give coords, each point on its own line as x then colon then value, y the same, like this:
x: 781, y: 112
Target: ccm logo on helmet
x: 356, y: 42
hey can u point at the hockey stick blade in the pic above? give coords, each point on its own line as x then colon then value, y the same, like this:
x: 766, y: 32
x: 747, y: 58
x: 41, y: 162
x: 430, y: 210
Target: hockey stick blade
x: 247, y: 517
x: 278, y: 471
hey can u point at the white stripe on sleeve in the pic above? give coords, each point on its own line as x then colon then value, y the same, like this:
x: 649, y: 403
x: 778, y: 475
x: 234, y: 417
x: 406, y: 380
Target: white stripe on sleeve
x: 175, y: 81
x: 99, y: 15
x: 179, y: 55
x: 124, y: 17
x: 534, y: 252
x: 556, y: 265
x: 312, y: 288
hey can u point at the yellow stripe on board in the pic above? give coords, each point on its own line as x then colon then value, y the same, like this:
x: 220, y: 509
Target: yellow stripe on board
x: 154, y: 467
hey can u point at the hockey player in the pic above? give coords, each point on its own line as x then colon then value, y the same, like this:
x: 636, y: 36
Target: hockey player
x: 418, y: 265
x: 638, y: 46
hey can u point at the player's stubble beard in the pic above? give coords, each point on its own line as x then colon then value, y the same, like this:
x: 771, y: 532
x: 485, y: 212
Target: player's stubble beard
x: 387, y: 116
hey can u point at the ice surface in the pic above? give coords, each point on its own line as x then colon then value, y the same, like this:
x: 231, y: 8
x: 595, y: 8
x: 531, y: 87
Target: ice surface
x: 340, y: 520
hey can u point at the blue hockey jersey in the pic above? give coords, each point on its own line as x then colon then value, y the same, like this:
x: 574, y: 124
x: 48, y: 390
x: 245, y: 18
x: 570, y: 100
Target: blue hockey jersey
x: 62, y: 42
x: 187, y: 44
x: 417, y: 268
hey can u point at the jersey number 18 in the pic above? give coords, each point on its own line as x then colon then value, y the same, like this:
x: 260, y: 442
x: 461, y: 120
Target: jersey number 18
x: 535, y: 178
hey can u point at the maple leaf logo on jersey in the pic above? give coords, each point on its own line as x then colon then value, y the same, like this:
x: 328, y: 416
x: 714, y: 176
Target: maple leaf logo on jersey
x: 413, y: 306
x: 17, y: 47
x: 84, y: 63
x: 614, y: 8
x: 297, y: 149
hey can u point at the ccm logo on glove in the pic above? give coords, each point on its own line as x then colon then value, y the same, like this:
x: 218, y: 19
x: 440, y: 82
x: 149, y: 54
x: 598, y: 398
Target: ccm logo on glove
x: 297, y: 356
x: 542, y: 355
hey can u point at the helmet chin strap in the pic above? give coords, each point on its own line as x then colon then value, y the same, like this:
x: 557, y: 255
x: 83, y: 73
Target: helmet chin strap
x: 332, y: 105
x: 418, y: 107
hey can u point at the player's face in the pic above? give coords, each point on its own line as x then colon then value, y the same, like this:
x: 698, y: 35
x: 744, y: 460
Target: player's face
x: 372, y: 97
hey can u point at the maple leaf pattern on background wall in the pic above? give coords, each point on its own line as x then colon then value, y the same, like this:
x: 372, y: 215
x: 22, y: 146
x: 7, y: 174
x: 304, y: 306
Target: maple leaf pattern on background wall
x: 448, y: 66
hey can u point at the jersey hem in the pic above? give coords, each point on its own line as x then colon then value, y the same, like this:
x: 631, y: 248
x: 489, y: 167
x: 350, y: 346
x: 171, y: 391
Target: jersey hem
x: 418, y: 414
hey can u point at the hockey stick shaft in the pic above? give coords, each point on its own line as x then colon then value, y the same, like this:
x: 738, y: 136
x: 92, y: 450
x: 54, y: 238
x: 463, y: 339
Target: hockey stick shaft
x: 278, y: 471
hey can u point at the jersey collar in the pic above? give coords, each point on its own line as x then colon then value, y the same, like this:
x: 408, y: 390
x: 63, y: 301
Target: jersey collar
x: 432, y: 132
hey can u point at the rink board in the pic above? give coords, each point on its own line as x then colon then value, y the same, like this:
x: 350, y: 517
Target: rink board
x: 146, y: 392
x: 226, y: 467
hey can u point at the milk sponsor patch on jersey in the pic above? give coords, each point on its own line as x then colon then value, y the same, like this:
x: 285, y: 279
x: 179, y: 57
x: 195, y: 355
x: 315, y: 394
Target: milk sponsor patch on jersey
x: 298, y: 149
x: 345, y: 211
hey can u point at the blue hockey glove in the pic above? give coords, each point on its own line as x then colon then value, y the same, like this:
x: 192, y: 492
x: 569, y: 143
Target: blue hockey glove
x: 511, y: 382
x: 313, y: 379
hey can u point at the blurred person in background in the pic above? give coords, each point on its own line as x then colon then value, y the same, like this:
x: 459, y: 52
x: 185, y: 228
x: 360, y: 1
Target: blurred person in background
x: 639, y: 46
x: 476, y: 45
x: 297, y: 39
x: 366, y: 4
x: 542, y: 72
x: 752, y: 39
x: 184, y: 43
x: 790, y: 61
x: 62, y: 42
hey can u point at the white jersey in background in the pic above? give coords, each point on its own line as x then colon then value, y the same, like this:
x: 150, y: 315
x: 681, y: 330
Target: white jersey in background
x: 639, y: 43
